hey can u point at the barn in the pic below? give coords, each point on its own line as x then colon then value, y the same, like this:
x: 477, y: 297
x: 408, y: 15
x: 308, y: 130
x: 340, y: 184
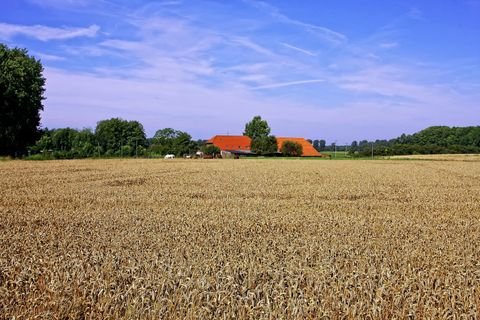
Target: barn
x: 308, y: 149
x: 240, y: 145
x: 232, y: 145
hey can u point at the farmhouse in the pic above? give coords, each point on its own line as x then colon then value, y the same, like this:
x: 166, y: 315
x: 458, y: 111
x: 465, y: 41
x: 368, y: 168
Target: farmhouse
x: 240, y: 145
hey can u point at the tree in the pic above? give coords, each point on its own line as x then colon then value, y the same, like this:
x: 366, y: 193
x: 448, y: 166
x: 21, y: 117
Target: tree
x: 65, y: 143
x: 264, y: 145
x: 322, y: 144
x: 177, y: 142
x: 292, y: 149
x: 113, y: 135
x: 21, y: 94
x: 211, y: 150
x: 257, y: 128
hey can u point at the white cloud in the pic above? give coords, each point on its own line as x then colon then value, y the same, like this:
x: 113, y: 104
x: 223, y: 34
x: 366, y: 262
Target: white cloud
x: 47, y: 57
x: 44, y: 33
x: 247, y: 43
x: 287, y: 84
x: 325, y: 33
x: 298, y: 49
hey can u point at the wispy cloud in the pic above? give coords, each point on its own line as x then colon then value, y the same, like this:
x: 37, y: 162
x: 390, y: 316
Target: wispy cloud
x: 287, y: 84
x: 44, y: 33
x: 325, y: 33
x: 47, y: 57
x: 247, y: 43
x: 298, y: 49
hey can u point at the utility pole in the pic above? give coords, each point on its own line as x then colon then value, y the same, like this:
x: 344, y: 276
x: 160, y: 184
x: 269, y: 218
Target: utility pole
x: 372, y: 150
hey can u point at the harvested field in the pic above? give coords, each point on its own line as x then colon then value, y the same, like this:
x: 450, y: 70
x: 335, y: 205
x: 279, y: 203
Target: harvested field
x: 440, y: 157
x: 202, y: 239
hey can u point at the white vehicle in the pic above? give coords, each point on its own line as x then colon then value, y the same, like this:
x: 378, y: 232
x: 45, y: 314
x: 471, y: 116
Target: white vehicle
x: 169, y: 156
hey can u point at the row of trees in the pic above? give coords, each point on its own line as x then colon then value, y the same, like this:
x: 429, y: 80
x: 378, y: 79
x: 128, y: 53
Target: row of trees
x: 113, y: 137
x: 432, y: 140
x: 121, y: 138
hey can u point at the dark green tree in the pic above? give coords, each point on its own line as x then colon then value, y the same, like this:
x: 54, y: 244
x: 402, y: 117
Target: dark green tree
x: 292, y: 149
x: 172, y: 141
x: 120, y: 137
x: 319, y: 145
x: 211, y: 150
x: 264, y: 145
x: 66, y: 143
x: 21, y: 94
x: 322, y: 144
x: 256, y: 128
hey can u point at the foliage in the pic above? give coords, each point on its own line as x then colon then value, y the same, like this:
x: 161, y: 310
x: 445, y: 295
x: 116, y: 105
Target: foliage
x: 432, y: 140
x: 65, y: 143
x: 211, y: 150
x: 291, y: 149
x: 21, y: 94
x: 319, y: 145
x: 264, y: 145
x: 118, y: 137
x: 257, y: 128
x: 170, y: 141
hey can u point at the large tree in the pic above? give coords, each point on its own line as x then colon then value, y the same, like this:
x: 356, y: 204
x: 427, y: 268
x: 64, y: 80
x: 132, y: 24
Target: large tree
x: 257, y: 128
x: 120, y: 137
x: 169, y: 140
x: 264, y: 145
x: 21, y: 94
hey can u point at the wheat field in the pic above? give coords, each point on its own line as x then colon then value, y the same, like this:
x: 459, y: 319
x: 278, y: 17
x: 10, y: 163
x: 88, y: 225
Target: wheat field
x: 239, y: 239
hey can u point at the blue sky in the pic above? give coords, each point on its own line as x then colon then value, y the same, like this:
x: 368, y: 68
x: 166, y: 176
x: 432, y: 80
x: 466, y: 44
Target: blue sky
x: 337, y: 70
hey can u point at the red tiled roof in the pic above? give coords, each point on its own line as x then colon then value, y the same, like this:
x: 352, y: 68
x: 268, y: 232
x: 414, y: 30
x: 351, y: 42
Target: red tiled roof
x: 308, y: 149
x: 231, y: 142
x: 225, y: 142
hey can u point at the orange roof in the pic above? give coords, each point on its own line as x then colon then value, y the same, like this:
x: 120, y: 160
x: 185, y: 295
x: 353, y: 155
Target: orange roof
x: 231, y: 142
x: 308, y: 149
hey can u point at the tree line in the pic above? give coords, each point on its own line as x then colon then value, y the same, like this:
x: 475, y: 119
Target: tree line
x: 113, y: 137
x: 432, y: 140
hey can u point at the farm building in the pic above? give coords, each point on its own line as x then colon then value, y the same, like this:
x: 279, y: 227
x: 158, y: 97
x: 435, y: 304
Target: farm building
x: 308, y: 149
x: 240, y: 145
x: 232, y: 145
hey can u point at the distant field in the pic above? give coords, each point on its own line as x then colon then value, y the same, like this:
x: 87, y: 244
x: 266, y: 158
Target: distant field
x: 203, y: 239
x: 338, y: 155
x: 446, y: 157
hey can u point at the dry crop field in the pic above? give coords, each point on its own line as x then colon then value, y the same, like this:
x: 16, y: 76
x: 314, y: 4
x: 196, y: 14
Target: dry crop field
x: 258, y: 239
x: 441, y: 157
